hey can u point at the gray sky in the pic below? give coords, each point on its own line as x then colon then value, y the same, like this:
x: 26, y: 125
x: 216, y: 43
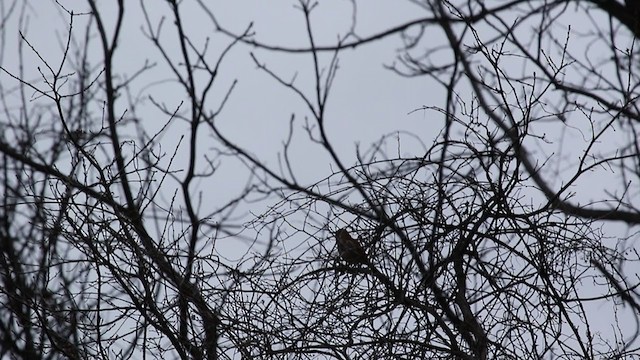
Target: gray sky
x: 366, y: 101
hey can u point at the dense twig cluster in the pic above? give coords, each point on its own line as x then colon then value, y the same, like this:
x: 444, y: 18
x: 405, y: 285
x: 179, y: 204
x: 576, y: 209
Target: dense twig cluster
x: 490, y: 241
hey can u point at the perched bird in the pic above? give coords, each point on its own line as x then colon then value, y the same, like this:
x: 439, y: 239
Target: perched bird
x: 350, y: 249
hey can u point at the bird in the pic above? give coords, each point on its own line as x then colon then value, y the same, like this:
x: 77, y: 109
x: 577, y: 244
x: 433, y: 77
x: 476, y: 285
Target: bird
x: 350, y: 249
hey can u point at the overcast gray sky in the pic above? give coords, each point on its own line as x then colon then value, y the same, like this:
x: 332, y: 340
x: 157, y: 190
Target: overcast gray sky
x: 366, y: 101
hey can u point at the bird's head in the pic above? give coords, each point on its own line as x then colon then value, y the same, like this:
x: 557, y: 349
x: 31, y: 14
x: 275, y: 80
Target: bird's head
x: 341, y: 232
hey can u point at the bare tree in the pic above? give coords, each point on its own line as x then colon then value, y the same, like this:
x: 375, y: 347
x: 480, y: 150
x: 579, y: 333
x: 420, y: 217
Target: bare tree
x: 107, y: 250
x: 493, y: 241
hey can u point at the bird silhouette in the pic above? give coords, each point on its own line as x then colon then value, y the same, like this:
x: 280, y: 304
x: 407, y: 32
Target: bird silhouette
x: 350, y: 249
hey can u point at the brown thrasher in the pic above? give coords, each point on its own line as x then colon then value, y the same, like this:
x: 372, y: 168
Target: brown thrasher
x: 350, y: 249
